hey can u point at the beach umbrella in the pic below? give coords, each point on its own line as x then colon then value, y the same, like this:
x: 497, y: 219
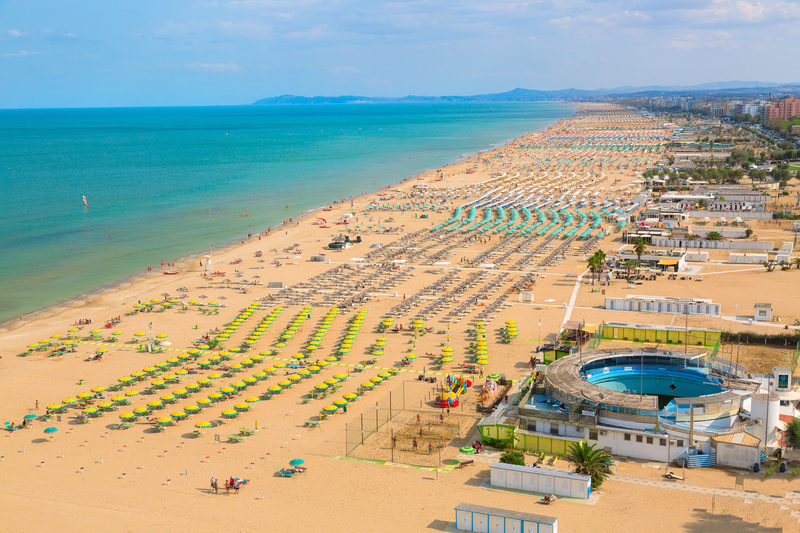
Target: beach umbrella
x: 284, y: 384
x: 155, y: 404
x: 467, y: 449
x: 330, y: 408
x: 179, y: 415
x: 340, y: 376
x: 383, y: 375
x: 55, y: 406
x: 214, y: 396
x: 331, y: 381
x: 340, y: 402
x: 96, y: 331
x: 269, y: 370
x: 314, y: 369
x: 173, y: 361
x: 251, y: 399
x: 493, y: 376
x: 350, y: 396
x: 321, y: 386
x: 239, y: 384
x: 162, y: 336
x: 33, y: 346
x: 260, y: 375
x: 376, y: 380
x: 131, y: 393
x: 229, y: 413
x: 50, y: 430
x: 482, y: 362
x: 181, y: 372
x: 162, y: 365
x: 323, y: 364
x: 119, y: 400
x: 137, y: 374
x: 73, y: 330
x: 167, y: 398
x: 158, y: 383
x: 192, y: 387
x: 279, y: 365
x: 304, y: 373
x: 204, y: 382
x: 203, y: 425
x: 69, y: 343
x: 274, y: 388
x: 125, y: 379
x: 150, y: 369
x: 69, y: 401
x: 127, y: 416
x: 180, y: 393
x: 164, y: 420
x: 140, y: 410
x: 227, y: 390
x: 137, y: 334
x: 203, y: 402
x: 367, y: 385
x: 411, y: 356
x: 446, y: 359
x: 84, y: 395
x: 105, y: 405
x: 296, y: 462
x: 193, y: 351
x: 214, y: 376
x: 30, y: 416
x: 298, y: 356
x: 294, y: 379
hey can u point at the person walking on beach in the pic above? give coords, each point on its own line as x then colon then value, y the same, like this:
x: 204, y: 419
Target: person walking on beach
x: 37, y: 405
x: 414, y: 444
x: 214, y: 484
x: 430, y: 448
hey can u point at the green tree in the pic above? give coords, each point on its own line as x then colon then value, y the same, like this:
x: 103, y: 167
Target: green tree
x: 702, y: 203
x: 630, y: 267
x: 749, y: 233
x: 639, y: 247
x: 714, y: 236
x: 793, y: 433
x: 590, y: 462
x: 769, y: 265
x: 513, y: 458
x: 596, y: 263
x: 796, y: 261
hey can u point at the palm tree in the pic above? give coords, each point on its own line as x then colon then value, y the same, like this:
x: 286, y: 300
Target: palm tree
x: 714, y: 236
x: 639, y: 247
x: 590, y: 462
x: 596, y: 262
x: 769, y: 265
x: 630, y: 266
x: 796, y: 261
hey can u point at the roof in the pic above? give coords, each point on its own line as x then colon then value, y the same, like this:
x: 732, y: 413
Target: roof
x: 741, y: 439
x: 494, y: 511
x: 541, y: 470
x: 668, y: 262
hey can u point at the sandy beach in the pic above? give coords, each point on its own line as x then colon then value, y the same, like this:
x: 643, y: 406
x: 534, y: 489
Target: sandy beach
x: 87, y: 474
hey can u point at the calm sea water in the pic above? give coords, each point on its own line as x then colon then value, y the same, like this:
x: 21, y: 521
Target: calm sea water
x: 167, y: 182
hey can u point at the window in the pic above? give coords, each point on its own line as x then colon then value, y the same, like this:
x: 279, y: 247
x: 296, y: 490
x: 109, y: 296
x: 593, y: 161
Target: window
x: 531, y: 425
x: 638, y: 438
x: 649, y: 440
x: 554, y: 429
x: 662, y: 442
x: 592, y: 434
x: 627, y: 436
x: 680, y: 442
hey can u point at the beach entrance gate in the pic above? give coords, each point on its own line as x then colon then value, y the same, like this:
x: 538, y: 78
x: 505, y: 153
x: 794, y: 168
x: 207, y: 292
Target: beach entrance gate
x: 541, y: 480
x: 492, y: 520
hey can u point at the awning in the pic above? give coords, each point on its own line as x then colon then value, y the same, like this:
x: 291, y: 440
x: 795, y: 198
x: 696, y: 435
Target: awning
x: 668, y: 262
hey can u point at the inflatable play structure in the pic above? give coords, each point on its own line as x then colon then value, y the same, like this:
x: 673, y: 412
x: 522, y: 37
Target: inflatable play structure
x: 453, y: 388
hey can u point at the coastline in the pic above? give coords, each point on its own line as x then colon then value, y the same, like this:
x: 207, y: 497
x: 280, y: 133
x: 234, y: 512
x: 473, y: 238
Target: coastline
x: 54, y: 309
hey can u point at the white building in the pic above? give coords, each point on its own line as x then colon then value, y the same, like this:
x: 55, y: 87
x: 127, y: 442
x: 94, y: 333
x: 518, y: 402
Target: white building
x: 664, y: 304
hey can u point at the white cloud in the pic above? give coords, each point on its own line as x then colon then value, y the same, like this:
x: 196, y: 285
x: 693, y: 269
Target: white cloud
x: 14, y: 33
x: 694, y: 42
x: 21, y: 53
x: 213, y: 67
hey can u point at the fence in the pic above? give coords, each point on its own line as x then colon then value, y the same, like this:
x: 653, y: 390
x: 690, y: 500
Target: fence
x: 763, y: 246
x: 360, y: 429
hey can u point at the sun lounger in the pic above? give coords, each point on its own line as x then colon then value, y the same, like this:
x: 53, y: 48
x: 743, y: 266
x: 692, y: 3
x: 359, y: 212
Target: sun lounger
x: 246, y: 432
x: 286, y: 473
x: 236, y: 438
x: 313, y: 423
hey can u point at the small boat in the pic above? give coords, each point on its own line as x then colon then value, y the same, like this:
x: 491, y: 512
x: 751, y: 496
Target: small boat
x: 171, y: 272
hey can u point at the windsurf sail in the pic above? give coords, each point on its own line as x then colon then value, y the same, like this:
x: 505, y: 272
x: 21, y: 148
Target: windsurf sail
x: 85, y: 201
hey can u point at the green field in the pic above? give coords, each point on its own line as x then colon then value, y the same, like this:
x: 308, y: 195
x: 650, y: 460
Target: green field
x: 794, y: 168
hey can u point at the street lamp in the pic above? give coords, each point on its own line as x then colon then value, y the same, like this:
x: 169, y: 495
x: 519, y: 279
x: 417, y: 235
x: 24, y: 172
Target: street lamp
x: 540, y: 334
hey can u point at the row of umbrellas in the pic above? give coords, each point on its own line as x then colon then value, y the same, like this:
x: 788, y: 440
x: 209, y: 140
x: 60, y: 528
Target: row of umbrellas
x: 294, y: 326
x: 315, y: 342
x: 350, y: 335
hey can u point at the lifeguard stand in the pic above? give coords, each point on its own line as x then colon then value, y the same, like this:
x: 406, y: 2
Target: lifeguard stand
x: 762, y: 312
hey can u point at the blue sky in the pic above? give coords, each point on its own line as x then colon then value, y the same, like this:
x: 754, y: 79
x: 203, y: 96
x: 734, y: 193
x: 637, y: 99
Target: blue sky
x: 57, y: 53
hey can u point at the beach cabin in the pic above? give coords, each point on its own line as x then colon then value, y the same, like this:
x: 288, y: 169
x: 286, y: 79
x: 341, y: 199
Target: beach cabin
x: 541, y: 480
x: 492, y: 520
x: 738, y: 450
x: 763, y: 312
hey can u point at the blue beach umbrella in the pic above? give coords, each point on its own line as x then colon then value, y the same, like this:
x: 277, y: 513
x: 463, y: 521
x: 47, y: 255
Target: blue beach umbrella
x: 51, y: 430
x: 30, y: 416
x: 296, y: 462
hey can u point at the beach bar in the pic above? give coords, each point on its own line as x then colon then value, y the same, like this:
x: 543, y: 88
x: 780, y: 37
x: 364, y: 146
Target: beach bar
x: 541, y: 480
x: 492, y: 520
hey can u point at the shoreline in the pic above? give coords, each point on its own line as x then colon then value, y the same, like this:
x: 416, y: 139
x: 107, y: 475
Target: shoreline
x: 65, y: 304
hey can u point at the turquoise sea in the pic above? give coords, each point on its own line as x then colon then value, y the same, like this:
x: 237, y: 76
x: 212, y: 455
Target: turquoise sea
x: 167, y: 182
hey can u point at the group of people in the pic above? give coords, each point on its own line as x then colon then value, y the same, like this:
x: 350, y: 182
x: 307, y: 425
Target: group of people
x: 230, y: 484
x: 83, y: 321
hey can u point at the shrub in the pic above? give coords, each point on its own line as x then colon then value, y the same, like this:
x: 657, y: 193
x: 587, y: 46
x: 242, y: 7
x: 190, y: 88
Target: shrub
x: 513, y: 458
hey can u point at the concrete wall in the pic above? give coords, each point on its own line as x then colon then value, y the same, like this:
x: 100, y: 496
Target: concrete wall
x: 715, y: 245
x: 615, y: 440
x: 728, y: 233
x: 736, y: 456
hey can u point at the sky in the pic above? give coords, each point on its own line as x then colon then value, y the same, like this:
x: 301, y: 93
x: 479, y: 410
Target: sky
x: 82, y: 53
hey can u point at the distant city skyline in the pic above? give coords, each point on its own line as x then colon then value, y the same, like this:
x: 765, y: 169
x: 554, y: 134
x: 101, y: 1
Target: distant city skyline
x: 87, y: 54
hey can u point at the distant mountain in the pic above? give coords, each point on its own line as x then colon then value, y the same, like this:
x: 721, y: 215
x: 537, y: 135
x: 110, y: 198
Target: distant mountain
x: 727, y: 88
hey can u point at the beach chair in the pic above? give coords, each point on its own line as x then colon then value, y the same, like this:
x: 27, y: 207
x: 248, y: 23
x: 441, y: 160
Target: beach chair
x: 286, y: 473
x: 197, y: 433
x: 236, y: 438
x: 158, y: 428
x: 215, y: 423
x: 246, y: 432
x: 312, y: 423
